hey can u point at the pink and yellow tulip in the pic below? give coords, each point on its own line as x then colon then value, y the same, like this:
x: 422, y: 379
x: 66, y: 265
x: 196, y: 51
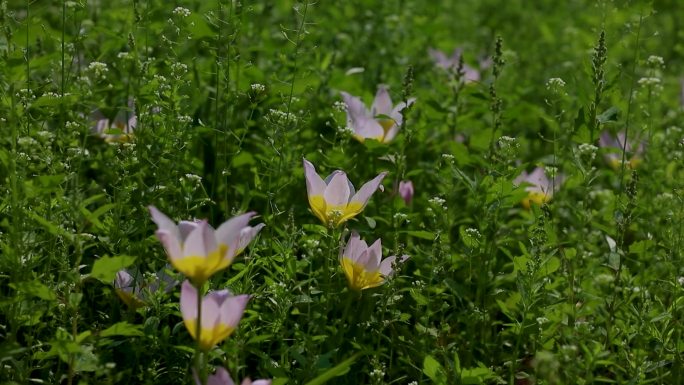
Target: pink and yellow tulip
x: 221, y: 313
x: 197, y: 250
x: 540, y: 188
x: 120, y: 129
x: 362, y: 263
x: 222, y: 377
x: 383, y: 120
x: 616, y: 145
x: 334, y: 200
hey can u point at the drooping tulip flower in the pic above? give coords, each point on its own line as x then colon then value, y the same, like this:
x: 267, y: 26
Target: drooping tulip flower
x: 383, y: 120
x: 135, y: 292
x: 540, y: 189
x: 120, y: 129
x: 406, y: 191
x: 617, y: 144
x: 222, y: 377
x: 334, y: 200
x: 221, y: 313
x: 451, y: 63
x: 362, y: 264
x: 197, y: 250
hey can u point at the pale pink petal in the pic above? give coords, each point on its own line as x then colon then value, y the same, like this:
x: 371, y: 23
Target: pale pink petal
x: 124, y: 281
x: 314, y: 183
x: 247, y: 234
x: 170, y: 243
x: 386, y: 264
x: 355, y: 108
x: 195, y: 243
x: 365, y: 192
x: 367, y: 127
x: 188, y: 301
x: 520, y: 178
x: 221, y: 377
x: 396, y: 112
x: 350, y: 246
x: 211, y: 307
x: 260, y: 382
x: 186, y: 227
x: 229, y: 232
x: 382, y: 104
x: 374, y: 256
x: 406, y: 191
x: 232, y: 309
x: 163, y: 222
x: 337, y: 192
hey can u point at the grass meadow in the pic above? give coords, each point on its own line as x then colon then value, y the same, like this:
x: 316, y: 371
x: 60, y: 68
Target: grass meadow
x: 191, y: 192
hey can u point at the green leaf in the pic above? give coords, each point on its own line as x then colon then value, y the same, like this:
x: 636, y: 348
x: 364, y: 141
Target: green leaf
x: 105, y: 268
x: 123, y: 329
x: 434, y: 370
x: 420, y: 234
x: 335, y: 371
x: 476, y: 375
x: 36, y: 289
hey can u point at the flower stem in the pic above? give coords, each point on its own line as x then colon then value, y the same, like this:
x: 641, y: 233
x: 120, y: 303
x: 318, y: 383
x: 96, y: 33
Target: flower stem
x: 200, y: 366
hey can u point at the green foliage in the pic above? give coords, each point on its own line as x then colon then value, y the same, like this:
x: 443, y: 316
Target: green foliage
x: 579, y: 288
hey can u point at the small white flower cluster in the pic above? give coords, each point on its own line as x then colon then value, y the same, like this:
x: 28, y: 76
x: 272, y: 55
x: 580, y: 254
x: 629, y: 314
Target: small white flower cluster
x: 98, y: 69
x: 588, y: 150
x: 507, y: 142
x: 258, y: 88
x: 25, y: 94
x: 280, y: 117
x: 473, y: 232
x: 178, y: 70
x: 448, y: 157
x: 655, y: 61
x: 193, y: 178
x: 437, y: 201
x: 551, y: 171
x: 401, y: 217
x: 27, y: 141
x: 650, y: 82
x: 185, y: 119
x: 554, y: 84
x: 340, y: 106
x: 180, y: 11
x: 124, y: 55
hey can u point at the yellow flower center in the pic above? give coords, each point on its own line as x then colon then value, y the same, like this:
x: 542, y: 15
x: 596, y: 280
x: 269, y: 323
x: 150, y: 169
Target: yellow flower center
x: 333, y: 215
x: 199, y: 267
x: 209, y: 337
x: 359, y: 278
x: 536, y: 197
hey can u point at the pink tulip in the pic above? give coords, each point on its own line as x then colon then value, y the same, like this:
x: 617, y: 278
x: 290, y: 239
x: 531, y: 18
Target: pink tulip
x: 197, y: 250
x: 334, y: 199
x: 362, y: 264
x: 221, y: 313
x: 406, y: 191
x: 222, y: 377
x: 383, y: 120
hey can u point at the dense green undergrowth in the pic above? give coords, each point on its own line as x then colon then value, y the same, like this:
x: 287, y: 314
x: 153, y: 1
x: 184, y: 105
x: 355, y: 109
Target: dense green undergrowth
x: 212, y: 107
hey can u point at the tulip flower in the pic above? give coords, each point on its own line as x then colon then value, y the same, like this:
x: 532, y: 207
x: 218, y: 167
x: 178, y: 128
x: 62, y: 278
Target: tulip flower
x: 406, y: 191
x: 362, y: 265
x: 451, y: 63
x: 197, y: 250
x: 221, y: 313
x: 118, y: 130
x: 135, y: 293
x: 613, y: 158
x: 222, y: 377
x: 540, y: 188
x: 334, y: 200
x: 383, y: 120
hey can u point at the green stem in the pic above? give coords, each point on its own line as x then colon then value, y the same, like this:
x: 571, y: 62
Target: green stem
x: 200, y: 366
